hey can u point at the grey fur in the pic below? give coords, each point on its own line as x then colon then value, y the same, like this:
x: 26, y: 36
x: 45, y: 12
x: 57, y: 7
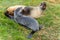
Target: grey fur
x: 26, y: 21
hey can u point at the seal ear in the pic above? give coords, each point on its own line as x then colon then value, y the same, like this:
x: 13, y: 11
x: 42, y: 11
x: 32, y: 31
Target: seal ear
x: 26, y: 10
x: 43, y: 5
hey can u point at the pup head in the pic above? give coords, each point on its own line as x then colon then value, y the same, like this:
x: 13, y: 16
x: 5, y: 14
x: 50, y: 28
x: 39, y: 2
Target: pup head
x: 26, y: 11
x: 43, y: 5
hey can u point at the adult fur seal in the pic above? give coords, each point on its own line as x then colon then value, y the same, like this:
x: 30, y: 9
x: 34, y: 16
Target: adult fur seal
x: 34, y: 12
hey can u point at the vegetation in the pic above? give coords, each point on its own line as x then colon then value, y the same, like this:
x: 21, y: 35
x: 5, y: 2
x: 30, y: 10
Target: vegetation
x: 9, y: 30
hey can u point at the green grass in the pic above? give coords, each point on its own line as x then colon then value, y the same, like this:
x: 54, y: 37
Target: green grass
x: 9, y: 30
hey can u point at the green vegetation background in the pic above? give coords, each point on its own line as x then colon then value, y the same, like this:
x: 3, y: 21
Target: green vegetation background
x: 10, y: 30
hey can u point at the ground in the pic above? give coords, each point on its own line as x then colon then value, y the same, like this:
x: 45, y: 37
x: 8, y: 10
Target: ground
x: 9, y: 30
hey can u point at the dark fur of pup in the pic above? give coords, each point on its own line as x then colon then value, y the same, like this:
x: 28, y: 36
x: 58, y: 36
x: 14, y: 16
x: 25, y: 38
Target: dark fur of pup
x: 26, y: 10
